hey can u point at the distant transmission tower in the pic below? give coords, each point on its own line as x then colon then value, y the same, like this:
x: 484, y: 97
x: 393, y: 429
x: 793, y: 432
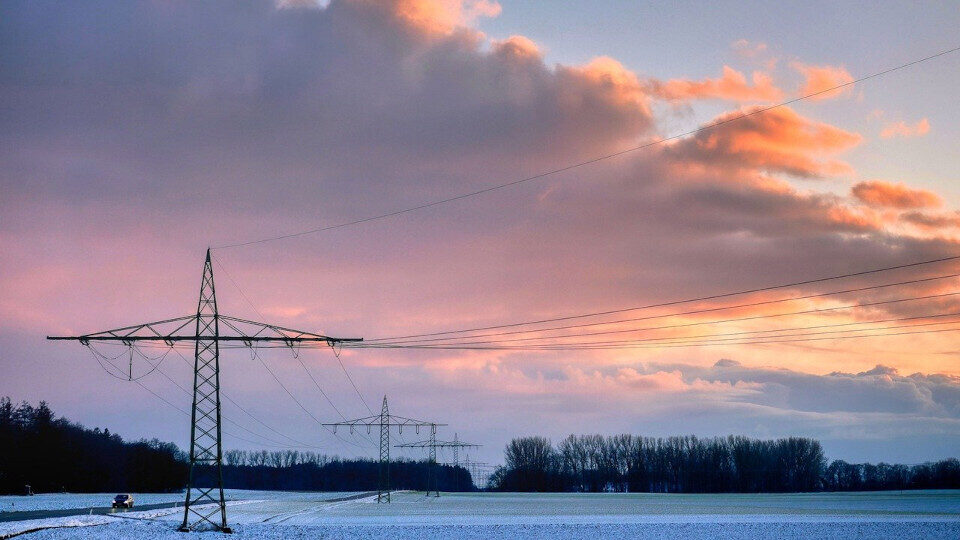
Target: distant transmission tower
x: 385, y: 421
x: 205, y: 439
x: 432, y: 445
x: 479, y: 471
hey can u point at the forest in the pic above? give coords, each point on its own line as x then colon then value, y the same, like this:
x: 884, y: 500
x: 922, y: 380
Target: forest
x: 53, y: 454
x: 310, y: 471
x: 629, y: 463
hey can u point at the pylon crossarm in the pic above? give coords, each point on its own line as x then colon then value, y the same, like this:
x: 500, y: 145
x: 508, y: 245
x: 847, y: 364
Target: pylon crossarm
x: 418, y: 444
x: 375, y: 421
x: 438, y: 444
x: 365, y: 421
x: 282, y: 333
x: 404, y: 421
x: 151, y: 331
x: 173, y: 330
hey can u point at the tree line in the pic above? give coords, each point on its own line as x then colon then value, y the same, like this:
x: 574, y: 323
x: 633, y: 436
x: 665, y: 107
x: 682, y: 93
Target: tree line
x: 689, y: 464
x: 53, y: 454
x: 311, y: 471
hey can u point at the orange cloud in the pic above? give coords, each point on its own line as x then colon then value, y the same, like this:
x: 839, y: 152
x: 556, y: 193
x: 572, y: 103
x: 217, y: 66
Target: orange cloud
x: 516, y: 47
x: 617, y: 84
x: 902, y: 129
x: 731, y: 85
x: 778, y: 140
x: 888, y: 194
x: 819, y: 79
x: 438, y: 16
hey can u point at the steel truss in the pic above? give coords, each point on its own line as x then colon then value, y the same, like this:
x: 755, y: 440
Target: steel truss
x: 432, y: 444
x: 210, y: 330
x: 385, y: 421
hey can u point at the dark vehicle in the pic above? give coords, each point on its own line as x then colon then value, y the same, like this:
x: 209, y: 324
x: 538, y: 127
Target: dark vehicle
x: 123, y: 501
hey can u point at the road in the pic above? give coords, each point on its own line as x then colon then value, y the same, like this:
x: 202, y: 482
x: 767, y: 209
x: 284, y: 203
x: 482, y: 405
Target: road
x: 41, y: 514
x: 106, y: 510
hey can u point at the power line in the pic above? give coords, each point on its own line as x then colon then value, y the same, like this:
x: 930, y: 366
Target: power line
x: 744, y: 333
x: 250, y: 414
x: 718, y: 321
x: 776, y: 332
x: 279, y: 444
x: 254, y: 353
x: 653, y: 346
x: 349, y: 378
x: 165, y: 400
x: 336, y: 354
x: 699, y: 323
x: 656, y: 142
x: 739, y: 336
x: 410, y: 339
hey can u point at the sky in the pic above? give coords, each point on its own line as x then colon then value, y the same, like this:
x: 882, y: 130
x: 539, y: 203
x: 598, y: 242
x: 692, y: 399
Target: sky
x: 137, y: 134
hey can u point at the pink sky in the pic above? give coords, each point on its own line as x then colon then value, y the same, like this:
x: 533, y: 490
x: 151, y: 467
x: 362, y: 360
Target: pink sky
x: 138, y: 135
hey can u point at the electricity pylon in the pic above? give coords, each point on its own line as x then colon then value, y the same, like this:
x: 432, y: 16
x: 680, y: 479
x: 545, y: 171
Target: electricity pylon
x: 210, y: 329
x: 432, y: 444
x: 479, y: 471
x: 385, y: 421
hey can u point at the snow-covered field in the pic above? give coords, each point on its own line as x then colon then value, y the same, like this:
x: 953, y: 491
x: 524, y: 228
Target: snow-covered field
x: 58, y: 501
x: 921, y: 514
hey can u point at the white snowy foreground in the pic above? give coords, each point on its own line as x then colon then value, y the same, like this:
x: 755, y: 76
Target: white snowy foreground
x: 276, y: 515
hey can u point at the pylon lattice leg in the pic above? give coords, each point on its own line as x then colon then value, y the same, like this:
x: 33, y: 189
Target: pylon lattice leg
x: 205, y: 437
x: 383, y: 487
x: 433, y: 463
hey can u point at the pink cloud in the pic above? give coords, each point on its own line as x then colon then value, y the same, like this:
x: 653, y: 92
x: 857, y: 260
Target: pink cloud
x: 517, y: 47
x: 779, y: 140
x: 891, y: 195
x: 731, y: 86
x: 819, y: 79
x: 902, y: 129
x: 440, y: 16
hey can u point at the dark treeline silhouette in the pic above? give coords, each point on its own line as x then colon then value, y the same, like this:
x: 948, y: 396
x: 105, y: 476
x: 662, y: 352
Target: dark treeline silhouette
x: 701, y: 465
x: 53, y: 454
x: 309, y: 471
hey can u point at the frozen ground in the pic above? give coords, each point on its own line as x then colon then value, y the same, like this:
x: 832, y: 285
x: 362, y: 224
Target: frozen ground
x: 926, y: 514
x: 58, y: 501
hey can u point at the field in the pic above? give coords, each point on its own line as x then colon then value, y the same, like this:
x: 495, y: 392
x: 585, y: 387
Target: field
x: 922, y: 514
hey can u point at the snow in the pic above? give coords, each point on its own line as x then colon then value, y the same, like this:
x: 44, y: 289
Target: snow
x: 839, y: 531
x: 60, y: 501
x: 926, y: 514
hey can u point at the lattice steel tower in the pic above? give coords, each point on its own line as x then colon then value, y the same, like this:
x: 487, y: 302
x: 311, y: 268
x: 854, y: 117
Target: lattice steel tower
x: 385, y: 421
x: 432, y: 444
x: 205, y: 435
